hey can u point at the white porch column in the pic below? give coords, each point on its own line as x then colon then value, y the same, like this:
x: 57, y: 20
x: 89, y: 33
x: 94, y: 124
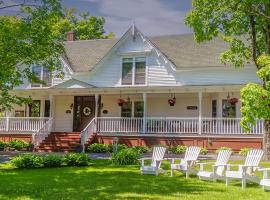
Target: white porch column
x: 52, y: 108
x: 144, y: 111
x: 96, y: 104
x: 200, y: 112
x: 42, y: 106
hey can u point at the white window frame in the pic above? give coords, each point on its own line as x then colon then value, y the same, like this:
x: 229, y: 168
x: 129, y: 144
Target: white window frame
x: 132, y: 108
x: 41, y: 77
x: 134, y: 70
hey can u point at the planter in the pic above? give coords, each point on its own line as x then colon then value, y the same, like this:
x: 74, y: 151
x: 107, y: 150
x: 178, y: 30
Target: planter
x: 171, y: 104
x: 120, y: 104
x: 121, y: 101
x: 172, y: 101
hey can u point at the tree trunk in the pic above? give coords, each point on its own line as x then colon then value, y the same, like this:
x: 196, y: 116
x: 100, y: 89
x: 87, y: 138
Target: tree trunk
x: 266, y: 140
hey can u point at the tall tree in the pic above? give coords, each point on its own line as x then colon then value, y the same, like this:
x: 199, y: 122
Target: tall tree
x: 245, y: 25
x: 87, y: 26
x: 34, y: 36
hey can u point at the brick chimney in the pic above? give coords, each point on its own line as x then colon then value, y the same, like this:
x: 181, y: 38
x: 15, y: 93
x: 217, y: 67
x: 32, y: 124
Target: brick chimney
x: 71, y: 36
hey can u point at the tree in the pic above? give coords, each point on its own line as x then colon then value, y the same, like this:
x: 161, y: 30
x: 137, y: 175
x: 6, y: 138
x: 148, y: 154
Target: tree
x: 87, y: 27
x: 34, y: 36
x: 245, y: 25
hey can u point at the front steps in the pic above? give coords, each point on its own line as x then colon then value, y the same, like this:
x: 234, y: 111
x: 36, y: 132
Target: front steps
x: 62, y: 142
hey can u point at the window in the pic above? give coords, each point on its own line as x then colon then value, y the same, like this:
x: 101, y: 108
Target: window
x: 126, y: 109
x: 133, y: 71
x: 214, y: 108
x: 132, y: 109
x: 47, y: 108
x: 127, y: 66
x: 34, y: 109
x: 43, y: 74
x: 228, y: 110
x: 139, y: 70
x: 138, y: 109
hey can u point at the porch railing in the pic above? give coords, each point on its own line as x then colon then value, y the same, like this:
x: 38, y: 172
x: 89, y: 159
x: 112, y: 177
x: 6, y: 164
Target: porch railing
x: 171, y: 125
x: 42, y: 133
x: 22, y: 124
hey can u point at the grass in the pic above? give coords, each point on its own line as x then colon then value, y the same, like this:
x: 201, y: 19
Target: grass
x: 102, y: 180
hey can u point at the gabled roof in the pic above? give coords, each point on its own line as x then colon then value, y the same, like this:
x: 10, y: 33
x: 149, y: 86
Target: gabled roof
x: 73, y: 83
x: 181, y: 50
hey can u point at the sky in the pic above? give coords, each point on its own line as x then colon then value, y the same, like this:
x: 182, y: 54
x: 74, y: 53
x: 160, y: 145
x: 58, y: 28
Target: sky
x: 152, y: 17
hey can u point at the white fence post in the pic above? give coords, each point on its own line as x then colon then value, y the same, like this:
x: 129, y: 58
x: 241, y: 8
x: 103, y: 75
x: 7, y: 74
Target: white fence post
x: 7, y: 124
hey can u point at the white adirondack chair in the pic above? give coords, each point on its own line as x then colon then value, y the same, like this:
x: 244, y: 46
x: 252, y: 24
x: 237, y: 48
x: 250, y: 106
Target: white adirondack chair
x: 218, y: 167
x: 265, y: 182
x: 156, y: 159
x: 187, y: 164
x: 246, y: 172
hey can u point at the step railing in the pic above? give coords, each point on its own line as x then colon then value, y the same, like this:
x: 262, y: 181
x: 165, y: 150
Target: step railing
x: 42, y: 133
x: 86, y: 133
x: 22, y: 124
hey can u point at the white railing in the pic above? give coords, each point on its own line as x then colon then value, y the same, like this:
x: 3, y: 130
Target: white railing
x: 87, y: 132
x: 174, y: 125
x: 229, y: 126
x: 22, y: 124
x: 42, y: 133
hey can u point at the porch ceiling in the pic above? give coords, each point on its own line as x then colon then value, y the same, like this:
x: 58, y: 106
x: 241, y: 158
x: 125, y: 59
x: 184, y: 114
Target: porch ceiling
x: 129, y: 90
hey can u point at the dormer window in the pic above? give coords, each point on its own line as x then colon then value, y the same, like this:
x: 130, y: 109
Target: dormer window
x: 43, y: 74
x: 133, y: 71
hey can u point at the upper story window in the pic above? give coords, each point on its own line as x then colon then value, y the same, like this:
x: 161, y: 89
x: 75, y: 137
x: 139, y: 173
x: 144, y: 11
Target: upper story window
x: 133, y: 71
x: 43, y: 74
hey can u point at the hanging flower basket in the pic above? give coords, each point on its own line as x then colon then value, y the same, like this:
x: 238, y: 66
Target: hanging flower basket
x: 121, y: 101
x: 172, y: 101
x: 233, y: 101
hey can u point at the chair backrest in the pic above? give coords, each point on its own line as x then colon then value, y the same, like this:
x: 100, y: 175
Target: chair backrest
x: 192, y: 153
x: 222, y: 159
x: 254, y: 157
x: 158, y: 154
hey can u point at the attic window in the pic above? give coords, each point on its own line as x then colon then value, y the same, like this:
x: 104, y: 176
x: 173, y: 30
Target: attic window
x: 43, y: 74
x: 133, y: 71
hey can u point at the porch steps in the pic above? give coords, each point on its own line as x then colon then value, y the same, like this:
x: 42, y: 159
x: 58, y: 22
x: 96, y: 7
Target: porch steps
x: 60, y: 142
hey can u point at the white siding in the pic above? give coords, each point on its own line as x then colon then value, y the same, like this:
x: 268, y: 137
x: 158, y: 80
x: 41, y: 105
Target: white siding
x: 63, y: 120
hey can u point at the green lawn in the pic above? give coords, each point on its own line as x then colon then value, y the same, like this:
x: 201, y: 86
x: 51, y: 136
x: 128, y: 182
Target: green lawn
x: 101, y: 180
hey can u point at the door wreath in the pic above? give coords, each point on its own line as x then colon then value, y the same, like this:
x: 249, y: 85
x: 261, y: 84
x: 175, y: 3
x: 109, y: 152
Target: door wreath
x: 87, y: 111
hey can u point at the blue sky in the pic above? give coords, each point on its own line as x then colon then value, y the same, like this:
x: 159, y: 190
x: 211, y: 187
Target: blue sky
x: 152, y: 17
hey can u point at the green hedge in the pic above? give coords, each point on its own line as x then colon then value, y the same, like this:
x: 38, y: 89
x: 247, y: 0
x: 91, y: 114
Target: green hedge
x: 50, y: 160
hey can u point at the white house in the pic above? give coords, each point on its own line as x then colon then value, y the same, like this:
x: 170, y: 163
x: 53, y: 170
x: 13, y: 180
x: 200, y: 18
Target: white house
x: 142, y: 74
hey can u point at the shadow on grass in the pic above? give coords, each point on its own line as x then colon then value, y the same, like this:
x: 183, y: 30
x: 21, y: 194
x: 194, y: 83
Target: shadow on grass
x: 105, y: 181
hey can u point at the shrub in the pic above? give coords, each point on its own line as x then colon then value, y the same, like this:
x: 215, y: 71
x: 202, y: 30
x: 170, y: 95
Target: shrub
x: 223, y: 148
x: 244, y: 151
x: 204, y: 151
x: 99, y: 148
x: 3, y: 145
x: 18, y: 144
x: 125, y: 157
x: 141, y: 149
x: 179, y: 149
x: 27, y: 161
x: 77, y: 159
x: 52, y: 160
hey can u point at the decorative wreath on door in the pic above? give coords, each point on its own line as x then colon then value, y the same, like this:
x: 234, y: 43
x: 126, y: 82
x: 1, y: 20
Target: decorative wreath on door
x: 87, y: 111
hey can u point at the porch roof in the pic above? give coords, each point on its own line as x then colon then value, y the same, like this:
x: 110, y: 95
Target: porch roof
x: 128, y: 90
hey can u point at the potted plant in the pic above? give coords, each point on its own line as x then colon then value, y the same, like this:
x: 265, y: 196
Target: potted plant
x: 233, y: 101
x: 172, y: 101
x: 121, y: 101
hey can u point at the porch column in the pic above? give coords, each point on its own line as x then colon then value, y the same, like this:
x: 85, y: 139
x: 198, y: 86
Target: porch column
x: 52, y: 108
x: 96, y: 104
x: 200, y: 112
x: 144, y: 111
x: 42, y: 106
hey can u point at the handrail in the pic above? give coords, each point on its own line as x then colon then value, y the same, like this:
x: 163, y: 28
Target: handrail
x: 42, y: 133
x: 87, y: 132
